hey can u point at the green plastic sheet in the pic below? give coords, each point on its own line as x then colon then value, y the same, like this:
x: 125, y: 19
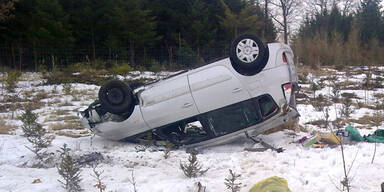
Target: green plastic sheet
x: 379, y: 136
x: 354, y: 133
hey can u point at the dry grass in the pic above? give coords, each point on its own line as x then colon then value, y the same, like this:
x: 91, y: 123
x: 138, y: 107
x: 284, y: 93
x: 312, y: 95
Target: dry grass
x: 319, y: 123
x: 290, y: 125
x: 350, y: 95
x: 41, y: 95
x: 72, y: 125
x: 6, y: 128
x: 68, y: 118
x: 369, y: 120
x: 379, y: 95
x: 66, y: 103
x: 80, y: 92
x: 73, y: 134
x: 76, y: 98
x: 60, y: 112
x: 36, y: 105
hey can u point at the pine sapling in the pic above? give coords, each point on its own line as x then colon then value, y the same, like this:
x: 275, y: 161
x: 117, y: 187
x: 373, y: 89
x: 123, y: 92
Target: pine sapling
x: 347, y: 107
x: 98, y: 178
x: 167, y: 150
x: 69, y: 169
x: 192, y: 169
x: 36, y: 135
x: 231, y: 183
x: 132, y: 181
x: 314, y: 87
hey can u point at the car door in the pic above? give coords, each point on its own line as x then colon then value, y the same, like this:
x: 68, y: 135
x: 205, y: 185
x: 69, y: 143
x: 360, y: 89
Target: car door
x: 216, y: 87
x: 167, y: 102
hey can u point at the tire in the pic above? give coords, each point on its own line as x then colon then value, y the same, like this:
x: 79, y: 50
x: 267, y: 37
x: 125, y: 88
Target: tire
x: 248, y: 54
x: 117, y: 98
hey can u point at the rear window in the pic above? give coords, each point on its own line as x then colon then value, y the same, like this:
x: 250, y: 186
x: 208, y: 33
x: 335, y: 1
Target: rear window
x: 267, y: 106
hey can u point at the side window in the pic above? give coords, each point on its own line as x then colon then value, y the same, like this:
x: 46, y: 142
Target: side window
x: 233, y: 118
x: 267, y: 106
x: 185, y: 132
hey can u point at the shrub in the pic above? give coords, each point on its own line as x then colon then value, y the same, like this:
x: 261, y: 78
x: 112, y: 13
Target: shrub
x: 231, y: 183
x: 69, y: 169
x: 36, y: 135
x: 11, y: 80
x: 192, y: 169
x: 156, y: 66
x: 347, y: 107
x: 67, y: 88
x: 122, y: 69
x: 314, y: 87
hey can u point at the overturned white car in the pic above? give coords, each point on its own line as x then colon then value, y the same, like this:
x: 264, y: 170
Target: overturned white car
x: 253, y: 90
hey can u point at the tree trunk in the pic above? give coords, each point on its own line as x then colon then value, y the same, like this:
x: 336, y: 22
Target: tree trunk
x: 265, y: 17
x: 285, y: 25
x: 35, y: 56
x: 20, y: 57
x: 13, y: 56
x: 132, y: 51
x: 93, y: 45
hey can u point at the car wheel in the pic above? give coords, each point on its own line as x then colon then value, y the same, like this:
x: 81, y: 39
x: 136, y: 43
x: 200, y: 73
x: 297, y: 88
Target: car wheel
x: 116, y: 97
x: 248, y: 55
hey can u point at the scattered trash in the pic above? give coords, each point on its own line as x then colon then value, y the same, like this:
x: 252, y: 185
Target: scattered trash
x: 310, y: 141
x: 354, y: 133
x: 349, y: 133
x: 91, y: 157
x: 319, y: 145
x: 342, y: 133
x: 377, y: 136
x: 330, y: 138
x: 36, y: 181
x: 265, y: 145
x: 271, y: 184
x: 302, y: 139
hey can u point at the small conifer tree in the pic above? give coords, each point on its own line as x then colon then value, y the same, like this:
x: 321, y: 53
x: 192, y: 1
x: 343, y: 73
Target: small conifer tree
x: 231, y: 183
x: 192, y: 169
x: 69, y: 169
x: 35, y: 134
x: 97, y: 175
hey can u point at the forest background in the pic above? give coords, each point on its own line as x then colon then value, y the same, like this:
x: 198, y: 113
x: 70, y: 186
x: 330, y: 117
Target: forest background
x: 46, y: 35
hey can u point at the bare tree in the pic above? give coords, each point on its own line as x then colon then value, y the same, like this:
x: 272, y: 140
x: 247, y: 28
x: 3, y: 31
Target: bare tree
x: 348, y: 6
x: 314, y: 7
x: 285, y: 17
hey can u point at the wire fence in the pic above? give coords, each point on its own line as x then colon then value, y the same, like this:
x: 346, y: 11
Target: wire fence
x: 33, y: 58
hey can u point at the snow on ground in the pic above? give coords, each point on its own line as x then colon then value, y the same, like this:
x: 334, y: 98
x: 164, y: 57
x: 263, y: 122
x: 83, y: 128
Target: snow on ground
x: 305, y: 169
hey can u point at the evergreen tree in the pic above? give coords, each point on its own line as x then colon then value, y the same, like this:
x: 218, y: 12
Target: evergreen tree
x: 132, y: 25
x: 69, y: 169
x: 369, y: 20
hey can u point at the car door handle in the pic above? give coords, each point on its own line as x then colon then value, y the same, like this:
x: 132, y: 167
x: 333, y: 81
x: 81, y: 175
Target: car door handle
x: 235, y: 90
x: 186, y: 105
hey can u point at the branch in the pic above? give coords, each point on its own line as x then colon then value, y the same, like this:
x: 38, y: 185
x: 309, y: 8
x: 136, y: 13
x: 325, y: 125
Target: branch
x: 274, y: 18
x: 275, y: 4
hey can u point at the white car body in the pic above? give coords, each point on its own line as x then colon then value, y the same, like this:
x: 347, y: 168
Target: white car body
x: 206, y: 89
